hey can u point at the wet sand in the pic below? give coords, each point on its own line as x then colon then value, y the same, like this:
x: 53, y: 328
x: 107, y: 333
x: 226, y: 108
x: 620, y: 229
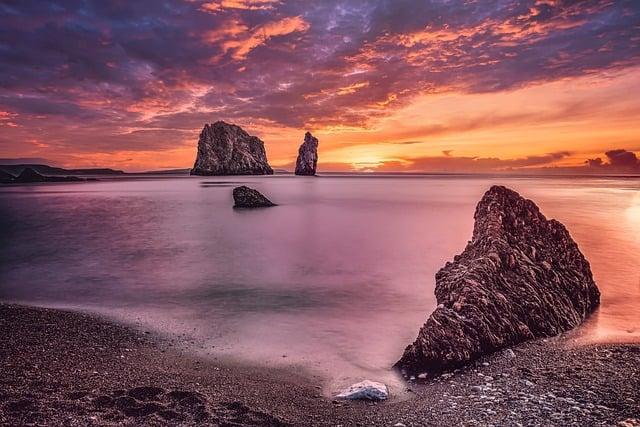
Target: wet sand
x: 65, y: 368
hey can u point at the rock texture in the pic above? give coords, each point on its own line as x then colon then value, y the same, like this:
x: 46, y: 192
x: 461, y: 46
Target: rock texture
x: 365, y: 390
x: 5, y: 177
x: 245, y: 197
x: 226, y: 149
x: 307, y: 156
x: 29, y: 175
x: 520, y: 277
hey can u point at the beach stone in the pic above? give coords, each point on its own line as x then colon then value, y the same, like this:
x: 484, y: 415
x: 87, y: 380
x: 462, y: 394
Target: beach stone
x: 226, y: 149
x: 520, y: 277
x: 245, y: 197
x: 366, y: 390
x: 307, y: 156
x: 509, y: 354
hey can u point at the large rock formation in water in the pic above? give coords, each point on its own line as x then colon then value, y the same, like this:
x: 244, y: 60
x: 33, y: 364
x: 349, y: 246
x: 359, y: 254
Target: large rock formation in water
x: 520, y: 277
x: 226, y: 149
x: 307, y: 156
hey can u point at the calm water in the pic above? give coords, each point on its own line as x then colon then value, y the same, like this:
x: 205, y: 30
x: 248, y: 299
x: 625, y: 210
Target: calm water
x: 338, y: 278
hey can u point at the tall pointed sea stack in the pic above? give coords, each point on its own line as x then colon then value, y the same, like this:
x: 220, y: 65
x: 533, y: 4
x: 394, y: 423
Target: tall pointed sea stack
x: 520, y: 277
x: 307, y: 156
x: 226, y: 149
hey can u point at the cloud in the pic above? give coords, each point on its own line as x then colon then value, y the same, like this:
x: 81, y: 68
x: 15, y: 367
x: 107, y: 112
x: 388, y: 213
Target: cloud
x: 454, y: 164
x: 236, y: 37
x: 75, y: 68
x: 26, y: 160
x: 618, y: 161
x: 220, y: 5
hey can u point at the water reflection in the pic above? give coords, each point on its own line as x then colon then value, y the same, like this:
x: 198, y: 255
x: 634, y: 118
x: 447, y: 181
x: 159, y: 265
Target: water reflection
x: 338, y: 277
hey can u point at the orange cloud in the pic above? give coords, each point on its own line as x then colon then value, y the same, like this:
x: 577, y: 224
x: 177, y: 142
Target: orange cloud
x: 351, y: 88
x: 230, y: 28
x: 217, y: 6
x: 6, y: 119
x: 236, y: 37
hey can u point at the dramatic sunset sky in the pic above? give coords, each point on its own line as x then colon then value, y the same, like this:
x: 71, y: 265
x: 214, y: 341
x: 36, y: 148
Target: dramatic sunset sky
x: 447, y: 85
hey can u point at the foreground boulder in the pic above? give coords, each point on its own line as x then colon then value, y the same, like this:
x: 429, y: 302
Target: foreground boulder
x: 226, y: 149
x: 245, y: 197
x: 365, y: 390
x: 307, y: 156
x: 520, y: 277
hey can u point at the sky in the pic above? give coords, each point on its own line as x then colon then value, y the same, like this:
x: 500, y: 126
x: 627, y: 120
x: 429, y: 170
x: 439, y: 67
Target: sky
x: 385, y: 85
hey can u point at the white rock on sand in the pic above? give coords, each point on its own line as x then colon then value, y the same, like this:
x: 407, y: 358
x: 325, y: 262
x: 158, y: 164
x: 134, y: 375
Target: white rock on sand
x: 509, y: 354
x: 366, y: 389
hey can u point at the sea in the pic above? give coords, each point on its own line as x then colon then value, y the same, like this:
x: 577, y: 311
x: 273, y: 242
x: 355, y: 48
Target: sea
x: 336, y: 280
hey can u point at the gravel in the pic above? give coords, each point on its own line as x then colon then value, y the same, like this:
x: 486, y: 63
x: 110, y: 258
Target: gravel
x: 65, y: 368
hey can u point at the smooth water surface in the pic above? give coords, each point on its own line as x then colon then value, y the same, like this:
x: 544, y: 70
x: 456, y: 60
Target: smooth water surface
x: 338, y: 278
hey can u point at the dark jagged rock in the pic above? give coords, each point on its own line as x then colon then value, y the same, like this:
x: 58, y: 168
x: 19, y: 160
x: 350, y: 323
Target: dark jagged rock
x: 520, y: 277
x: 29, y: 175
x: 226, y: 149
x: 245, y: 197
x: 5, y: 177
x: 307, y: 156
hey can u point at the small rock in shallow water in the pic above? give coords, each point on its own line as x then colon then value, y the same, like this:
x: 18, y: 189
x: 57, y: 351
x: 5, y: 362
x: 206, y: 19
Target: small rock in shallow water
x: 369, y: 390
x: 245, y: 197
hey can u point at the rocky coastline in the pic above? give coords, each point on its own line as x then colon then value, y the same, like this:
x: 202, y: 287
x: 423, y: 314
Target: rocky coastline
x: 31, y: 176
x: 66, y: 368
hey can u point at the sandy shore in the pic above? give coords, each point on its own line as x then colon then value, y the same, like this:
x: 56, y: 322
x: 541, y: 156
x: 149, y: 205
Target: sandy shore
x: 64, y: 368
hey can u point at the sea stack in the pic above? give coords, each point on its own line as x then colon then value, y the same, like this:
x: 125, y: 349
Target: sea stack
x: 226, y: 149
x: 520, y: 277
x: 307, y: 156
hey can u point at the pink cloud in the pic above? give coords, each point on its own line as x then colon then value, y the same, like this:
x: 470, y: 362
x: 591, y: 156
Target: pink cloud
x: 217, y: 6
x: 235, y: 37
